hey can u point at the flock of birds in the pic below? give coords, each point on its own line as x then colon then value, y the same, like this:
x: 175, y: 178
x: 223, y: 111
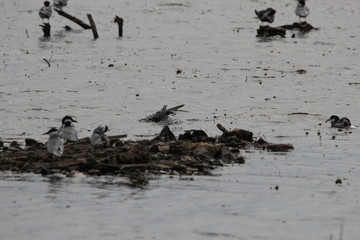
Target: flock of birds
x: 98, y: 139
x: 68, y: 133
x: 268, y: 15
x: 46, y: 11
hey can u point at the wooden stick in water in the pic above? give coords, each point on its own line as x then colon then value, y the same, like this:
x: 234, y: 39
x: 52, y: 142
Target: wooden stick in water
x: 93, y: 26
x: 46, y: 29
x: 72, y: 18
x: 120, y: 23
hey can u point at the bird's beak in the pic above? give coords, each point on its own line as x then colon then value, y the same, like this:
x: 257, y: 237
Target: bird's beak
x: 327, y: 120
x: 45, y: 133
x: 74, y: 121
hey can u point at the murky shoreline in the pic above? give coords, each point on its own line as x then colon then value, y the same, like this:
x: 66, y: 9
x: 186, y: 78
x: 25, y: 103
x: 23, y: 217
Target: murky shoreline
x: 227, y: 76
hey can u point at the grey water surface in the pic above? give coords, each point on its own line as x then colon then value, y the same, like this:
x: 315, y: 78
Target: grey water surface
x: 282, y: 89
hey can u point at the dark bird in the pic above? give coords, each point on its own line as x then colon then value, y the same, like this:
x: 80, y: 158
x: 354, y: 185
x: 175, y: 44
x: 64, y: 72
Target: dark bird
x: 301, y: 10
x: 45, y: 11
x: 337, y: 122
x: 267, y: 15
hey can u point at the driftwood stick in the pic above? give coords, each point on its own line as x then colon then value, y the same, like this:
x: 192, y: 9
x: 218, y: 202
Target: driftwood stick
x: 120, y: 23
x: 72, y: 18
x: 47, y: 62
x: 46, y: 29
x: 222, y: 128
x: 93, y: 26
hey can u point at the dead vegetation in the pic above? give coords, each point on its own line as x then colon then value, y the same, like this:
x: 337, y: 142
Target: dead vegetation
x: 193, y: 152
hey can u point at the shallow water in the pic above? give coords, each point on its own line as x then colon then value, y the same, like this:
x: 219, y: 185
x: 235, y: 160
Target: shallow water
x: 228, y: 76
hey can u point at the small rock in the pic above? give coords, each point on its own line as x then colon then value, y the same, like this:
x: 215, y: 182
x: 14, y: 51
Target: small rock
x: 338, y: 181
x: 29, y: 142
x: 15, y: 144
x: 301, y: 71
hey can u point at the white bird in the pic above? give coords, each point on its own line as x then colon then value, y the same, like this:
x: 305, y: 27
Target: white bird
x: 267, y: 15
x: 98, y: 137
x: 55, y: 145
x: 337, y: 122
x: 67, y: 130
x: 301, y: 10
x: 45, y: 11
x: 59, y: 4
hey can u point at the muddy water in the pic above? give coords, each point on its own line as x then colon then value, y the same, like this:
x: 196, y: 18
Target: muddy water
x: 227, y: 76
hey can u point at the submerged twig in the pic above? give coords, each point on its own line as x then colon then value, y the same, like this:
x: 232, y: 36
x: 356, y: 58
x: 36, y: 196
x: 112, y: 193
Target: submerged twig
x: 48, y: 61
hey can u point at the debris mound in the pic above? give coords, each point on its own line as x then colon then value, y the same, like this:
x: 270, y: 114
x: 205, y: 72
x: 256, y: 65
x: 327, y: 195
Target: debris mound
x: 303, y: 27
x: 267, y: 31
x: 194, y: 152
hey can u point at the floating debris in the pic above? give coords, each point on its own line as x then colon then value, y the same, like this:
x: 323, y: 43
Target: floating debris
x: 300, y: 26
x: 267, y: 31
x: 273, y: 147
